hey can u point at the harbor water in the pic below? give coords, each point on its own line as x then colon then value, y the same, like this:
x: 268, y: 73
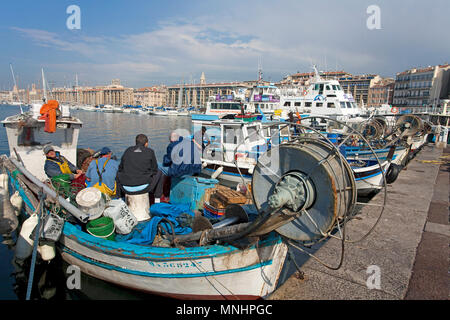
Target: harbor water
x: 116, y: 131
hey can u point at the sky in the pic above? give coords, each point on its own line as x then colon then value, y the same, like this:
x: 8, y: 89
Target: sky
x: 152, y: 42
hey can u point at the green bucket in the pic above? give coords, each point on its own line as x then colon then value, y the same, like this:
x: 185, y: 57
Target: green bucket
x: 102, y: 227
x: 61, y: 183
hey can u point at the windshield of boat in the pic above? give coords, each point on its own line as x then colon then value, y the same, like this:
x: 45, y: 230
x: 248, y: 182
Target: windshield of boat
x: 225, y: 106
x: 33, y: 136
x: 233, y: 134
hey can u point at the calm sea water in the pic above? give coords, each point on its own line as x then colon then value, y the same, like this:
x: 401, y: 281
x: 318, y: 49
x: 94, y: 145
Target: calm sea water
x: 118, y: 132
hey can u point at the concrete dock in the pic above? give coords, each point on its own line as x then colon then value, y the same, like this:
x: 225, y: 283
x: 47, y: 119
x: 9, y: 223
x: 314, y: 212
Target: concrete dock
x: 409, y: 247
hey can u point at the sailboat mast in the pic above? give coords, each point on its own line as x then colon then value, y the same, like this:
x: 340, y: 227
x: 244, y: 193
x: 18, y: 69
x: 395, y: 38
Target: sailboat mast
x: 44, y: 98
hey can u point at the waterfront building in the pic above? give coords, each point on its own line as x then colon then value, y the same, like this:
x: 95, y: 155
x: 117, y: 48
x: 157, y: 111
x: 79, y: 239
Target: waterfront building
x: 301, y: 79
x: 358, y: 86
x: 381, y: 92
x: 113, y: 94
x: 151, y: 96
x: 196, y: 95
x: 422, y: 88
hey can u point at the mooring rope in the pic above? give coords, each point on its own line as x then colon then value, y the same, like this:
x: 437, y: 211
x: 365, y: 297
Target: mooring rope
x: 39, y: 212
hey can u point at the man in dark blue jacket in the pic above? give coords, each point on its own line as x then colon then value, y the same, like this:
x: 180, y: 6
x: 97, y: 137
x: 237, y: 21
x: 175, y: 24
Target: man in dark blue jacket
x: 177, y: 157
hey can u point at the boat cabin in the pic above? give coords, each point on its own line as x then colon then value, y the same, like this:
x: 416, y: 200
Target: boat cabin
x: 27, y: 139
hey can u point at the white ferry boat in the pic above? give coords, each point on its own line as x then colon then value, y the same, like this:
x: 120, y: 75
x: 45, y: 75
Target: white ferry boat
x: 322, y: 97
x: 224, y: 105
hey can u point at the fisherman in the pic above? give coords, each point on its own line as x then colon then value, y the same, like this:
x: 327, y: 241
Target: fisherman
x: 102, y: 172
x: 56, y: 164
x: 199, y: 138
x: 138, y: 171
x: 182, y: 158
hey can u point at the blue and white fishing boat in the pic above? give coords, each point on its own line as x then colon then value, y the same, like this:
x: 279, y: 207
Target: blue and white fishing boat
x: 211, y: 268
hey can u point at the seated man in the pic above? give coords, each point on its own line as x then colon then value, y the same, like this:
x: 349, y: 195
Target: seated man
x: 180, y: 163
x: 56, y: 164
x: 138, y: 170
x: 101, y: 173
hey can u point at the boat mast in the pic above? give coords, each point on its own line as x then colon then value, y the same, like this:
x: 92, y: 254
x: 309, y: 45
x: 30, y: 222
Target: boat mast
x: 44, y: 98
x: 15, y: 84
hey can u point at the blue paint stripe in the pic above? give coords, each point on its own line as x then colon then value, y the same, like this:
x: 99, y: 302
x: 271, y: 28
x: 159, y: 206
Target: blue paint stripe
x: 373, y: 175
x: 146, y: 252
x: 163, y: 275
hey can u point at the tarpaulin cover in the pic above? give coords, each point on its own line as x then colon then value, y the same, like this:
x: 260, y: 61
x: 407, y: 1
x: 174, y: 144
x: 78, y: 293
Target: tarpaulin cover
x: 179, y: 216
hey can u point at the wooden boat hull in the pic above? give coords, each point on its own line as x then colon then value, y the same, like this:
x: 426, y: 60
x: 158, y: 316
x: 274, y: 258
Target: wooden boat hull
x: 210, y: 272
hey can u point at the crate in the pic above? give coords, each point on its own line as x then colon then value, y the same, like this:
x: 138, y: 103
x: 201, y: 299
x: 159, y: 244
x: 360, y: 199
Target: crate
x: 211, y: 212
x: 217, y: 202
x: 230, y: 196
x: 190, y: 190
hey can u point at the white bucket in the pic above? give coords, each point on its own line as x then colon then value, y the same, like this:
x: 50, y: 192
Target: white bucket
x: 139, y: 205
x: 91, y: 201
x: 124, y: 219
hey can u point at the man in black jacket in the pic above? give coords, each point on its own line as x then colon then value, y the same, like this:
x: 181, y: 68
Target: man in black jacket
x: 138, y: 170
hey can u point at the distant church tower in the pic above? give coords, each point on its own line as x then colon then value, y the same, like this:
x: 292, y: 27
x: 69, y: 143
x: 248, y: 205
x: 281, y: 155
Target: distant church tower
x: 203, y: 79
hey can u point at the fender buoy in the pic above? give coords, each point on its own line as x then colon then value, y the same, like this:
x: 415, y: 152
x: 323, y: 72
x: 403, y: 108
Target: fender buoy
x: 394, y: 110
x: 47, y: 250
x: 24, y: 245
x: 17, y: 202
x: 393, y: 173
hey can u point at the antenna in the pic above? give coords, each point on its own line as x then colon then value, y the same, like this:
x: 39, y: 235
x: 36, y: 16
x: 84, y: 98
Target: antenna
x: 259, y: 70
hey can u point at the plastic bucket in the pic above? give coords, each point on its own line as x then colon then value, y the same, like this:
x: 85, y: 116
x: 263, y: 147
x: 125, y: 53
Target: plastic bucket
x: 333, y: 137
x: 62, y: 184
x: 102, y: 227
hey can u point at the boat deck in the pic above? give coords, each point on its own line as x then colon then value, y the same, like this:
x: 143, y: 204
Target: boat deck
x: 410, y: 244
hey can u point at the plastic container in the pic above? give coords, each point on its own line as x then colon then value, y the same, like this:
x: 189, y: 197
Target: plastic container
x: 92, y: 201
x: 61, y: 183
x: 212, y: 213
x: 124, y: 219
x: 102, y: 227
x: 190, y: 190
x: 333, y: 137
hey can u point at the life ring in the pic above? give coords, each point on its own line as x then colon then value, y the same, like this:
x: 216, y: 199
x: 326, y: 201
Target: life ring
x: 305, y: 92
x: 394, y: 110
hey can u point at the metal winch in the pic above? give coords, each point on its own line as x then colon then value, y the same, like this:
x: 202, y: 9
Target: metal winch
x: 302, y: 189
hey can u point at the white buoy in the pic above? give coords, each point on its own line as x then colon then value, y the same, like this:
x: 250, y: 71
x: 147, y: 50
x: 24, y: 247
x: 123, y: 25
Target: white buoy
x: 17, y: 202
x: 4, y: 181
x: 91, y: 201
x: 24, y: 245
x: 217, y: 172
x: 139, y: 205
x: 8, y: 218
x: 47, y: 250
